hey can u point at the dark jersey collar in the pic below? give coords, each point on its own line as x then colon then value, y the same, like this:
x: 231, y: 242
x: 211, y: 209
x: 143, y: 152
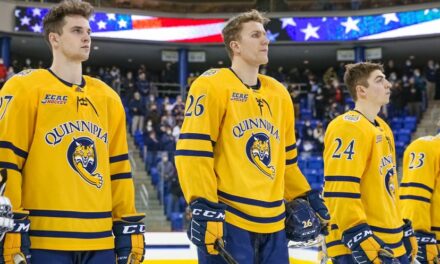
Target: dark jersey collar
x: 83, y: 81
x: 253, y: 87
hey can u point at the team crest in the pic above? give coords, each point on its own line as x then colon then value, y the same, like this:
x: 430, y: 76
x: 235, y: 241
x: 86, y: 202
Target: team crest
x: 82, y: 158
x: 258, y: 152
x: 387, y: 170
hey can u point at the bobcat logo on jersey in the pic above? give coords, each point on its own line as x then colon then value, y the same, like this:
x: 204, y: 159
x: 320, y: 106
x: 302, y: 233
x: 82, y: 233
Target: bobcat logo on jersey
x: 82, y: 158
x: 386, y: 169
x: 258, y: 152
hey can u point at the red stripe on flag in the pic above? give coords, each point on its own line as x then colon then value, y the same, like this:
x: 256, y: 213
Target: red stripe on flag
x: 209, y: 39
x: 172, y: 22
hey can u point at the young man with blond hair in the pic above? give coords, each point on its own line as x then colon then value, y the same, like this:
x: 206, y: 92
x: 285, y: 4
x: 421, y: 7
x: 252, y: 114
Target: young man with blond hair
x: 64, y: 146
x: 360, y: 177
x: 236, y: 156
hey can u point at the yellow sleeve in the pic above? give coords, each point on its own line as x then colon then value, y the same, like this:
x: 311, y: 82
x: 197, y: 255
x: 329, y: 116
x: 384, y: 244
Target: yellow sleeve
x: 346, y: 150
x: 296, y: 183
x: 123, y: 202
x: 17, y: 121
x: 194, y: 156
x: 418, y: 183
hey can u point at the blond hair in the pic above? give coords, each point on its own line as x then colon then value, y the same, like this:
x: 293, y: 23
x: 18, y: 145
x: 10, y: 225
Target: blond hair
x: 233, y: 27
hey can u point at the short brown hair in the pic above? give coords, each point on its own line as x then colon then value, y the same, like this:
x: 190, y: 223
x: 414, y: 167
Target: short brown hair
x: 54, y: 20
x: 233, y: 27
x: 358, y: 74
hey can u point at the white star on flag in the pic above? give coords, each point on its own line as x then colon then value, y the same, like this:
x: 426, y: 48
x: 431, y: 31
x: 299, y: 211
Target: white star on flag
x: 390, y: 17
x: 288, y: 22
x: 25, y: 21
x: 111, y: 16
x: 324, y: 19
x: 426, y: 12
x: 310, y: 31
x: 101, y: 24
x: 92, y: 18
x: 36, y: 28
x: 351, y: 24
x: 272, y: 36
x: 122, y: 23
x: 17, y: 12
x: 36, y: 12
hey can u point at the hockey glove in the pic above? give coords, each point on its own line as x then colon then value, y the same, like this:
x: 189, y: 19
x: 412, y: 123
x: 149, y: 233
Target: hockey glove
x: 365, y: 246
x: 409, y: 240
x: 207, y: 224
x: 129, y: 239
x: 302, y: 223
x: 317, y: 203
x: 6, y: 221
x: 15, y: 247
x: 428, y: 251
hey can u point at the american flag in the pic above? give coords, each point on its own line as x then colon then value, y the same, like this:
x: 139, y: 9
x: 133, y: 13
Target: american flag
x: 287, y: 29
x: 114, y: 25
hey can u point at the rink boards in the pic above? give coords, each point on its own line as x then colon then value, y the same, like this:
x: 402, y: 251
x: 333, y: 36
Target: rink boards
x: 175, y: 248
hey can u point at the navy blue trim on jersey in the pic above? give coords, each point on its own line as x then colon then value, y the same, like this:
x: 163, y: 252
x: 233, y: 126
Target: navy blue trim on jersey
x: 334, y: 243
x: 417, y: 185
x: 435, y: 228
x: 342, y: 195
x: 386, y: 230
x: 264, y: 220
x: 415, y: 197
x: 120, y: 176
x: 8, y: 165
x: 83, y: 81
x: 194, y: 153
x: 70, y: 214
x: 119, y: 158
x: 395, y: 245
x: 334, y: 227
x: 19, y: 152
x: 65, y: 234
x: 197, y: 136
x: 249, y: 201
x: 342, y: 179
x: 291, y: 147
x: 291, y: 161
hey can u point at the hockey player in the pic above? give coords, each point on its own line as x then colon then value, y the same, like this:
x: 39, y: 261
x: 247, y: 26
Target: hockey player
x: 236, y: 156
x: 420, y: 194
x: 360, y: 177
x: 63, y: 143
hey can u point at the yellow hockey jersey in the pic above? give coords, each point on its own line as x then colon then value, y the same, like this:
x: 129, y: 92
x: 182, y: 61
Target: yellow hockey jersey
x: 65, y: 150
x: 361, y: 181
x: 237, y: 146
x: 420, y: 189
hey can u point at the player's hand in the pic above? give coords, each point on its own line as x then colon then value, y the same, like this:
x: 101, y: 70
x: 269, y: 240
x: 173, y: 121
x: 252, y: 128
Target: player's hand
x: 365, y: 246
x: 15, y: 247
x: 302, y: 223
x: 409, y: 240
x: 317, y: 203
x: 427, y: 250
x: 129, y: 239
x: 207, y: 224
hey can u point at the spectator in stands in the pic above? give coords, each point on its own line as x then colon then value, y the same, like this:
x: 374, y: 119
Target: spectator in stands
x: 151, y: 100
x: 128, y: 86
x: 169, y: 74
x: 10, y: 72
x: 176, y: 129
x: 312, y: 89
x: 295, y: 92
x: 3, y: 73
x: 318, y: 136
x: 308, y: 141
x: 408, y: 68
x: 420, y: 84
x: 397, y: 99
x: 430, y: 76
x: 179, y: 106
x: 413, y: 97
x: 390, y: 68
x: 137, y: 111
x: 174, y: 195
x: 142, y: 84
x: 154, y: 115
x: 167, y: 142
x: 152, y: 146
x: 166, y: 171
